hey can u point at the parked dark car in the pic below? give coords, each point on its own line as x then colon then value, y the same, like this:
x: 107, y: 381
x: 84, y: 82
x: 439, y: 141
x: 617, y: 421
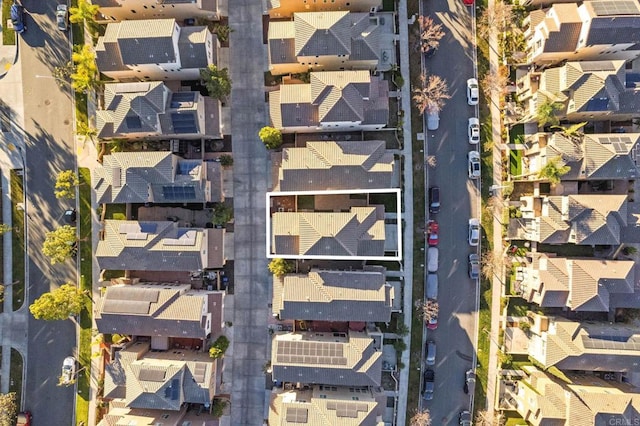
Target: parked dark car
x: 434, y: 199
x: 70, y: 216
x: 428, y: 384
x: 17, y: 18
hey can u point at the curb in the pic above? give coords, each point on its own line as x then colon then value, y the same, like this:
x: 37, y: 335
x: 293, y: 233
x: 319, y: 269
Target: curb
x: 7, y: 59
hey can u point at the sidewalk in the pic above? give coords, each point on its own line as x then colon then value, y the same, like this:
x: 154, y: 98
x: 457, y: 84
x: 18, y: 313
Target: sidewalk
x: 496, y: 281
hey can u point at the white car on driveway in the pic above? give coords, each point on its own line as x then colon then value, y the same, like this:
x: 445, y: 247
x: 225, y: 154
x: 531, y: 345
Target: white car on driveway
x: 473, y: 91
x: 474, y: 232
x: 474, y: 130
x: 474, y: 164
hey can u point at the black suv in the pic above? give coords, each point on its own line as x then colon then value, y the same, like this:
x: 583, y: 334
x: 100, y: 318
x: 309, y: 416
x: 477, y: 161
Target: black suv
x: 434, y: 199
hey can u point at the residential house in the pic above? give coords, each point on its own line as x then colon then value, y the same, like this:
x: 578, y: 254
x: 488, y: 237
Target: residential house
x: 150, y: 110
x: 339, y: 359
x: 329, y: 165
x: 584, y: 399
x: 142, y: 378
x: 358, y: 232
x: 159, y: 246
x: 581, y: 91
x: 119, y: 414
x: 593, y: 31
x: 589, y: 219
x: 333, y: 101
x: 577, y: 284
x: 584, y: 346
x: 125, y: 10
x: 156, y: 177
x: 331, y: 41
x: 602, y: 156
x: 164, y: 312
x: 327, y: 405
x: 327, y: 295
x: 155, y: 49
x: 286, y: 8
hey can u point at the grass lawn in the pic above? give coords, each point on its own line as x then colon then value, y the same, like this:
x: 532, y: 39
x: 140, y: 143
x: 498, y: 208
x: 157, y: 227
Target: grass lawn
x: 514, y: 419
x: 306, y: 202
x: 116, y: 212
x: 8, y: 34
x: 84, y: 351
x: 17, y: 239
x: 517, y: 307
x: 389, y: 201
x: 567, y: 250
x: 515, y: 162
x: 15, y: 374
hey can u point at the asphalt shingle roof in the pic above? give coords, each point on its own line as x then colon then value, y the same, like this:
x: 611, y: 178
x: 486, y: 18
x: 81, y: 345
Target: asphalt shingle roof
x: 362, y: 296
x: 329, y: 234
x: 147, y: 42
x: 333, y: 361
x: 141, y: 177
x: 192, y: 47
x: 152, y: 246
x: 165, y: 310
x: 322, y: 33
x: 329, y: 165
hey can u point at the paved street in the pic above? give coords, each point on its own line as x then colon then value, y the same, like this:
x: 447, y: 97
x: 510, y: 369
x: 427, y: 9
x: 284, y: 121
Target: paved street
x: 252, y: 279
x: 48, y: 149
x: 457, y: 297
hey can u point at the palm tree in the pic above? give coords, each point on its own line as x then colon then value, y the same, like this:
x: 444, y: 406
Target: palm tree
x: 546, y: 113
x: 553, y: 170
x: 432, y: 95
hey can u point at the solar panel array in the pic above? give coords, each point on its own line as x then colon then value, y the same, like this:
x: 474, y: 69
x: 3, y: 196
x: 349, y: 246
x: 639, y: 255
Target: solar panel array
x: 615, y: 7
x: 185, y: 238
x: 184, y: 122
x: 613, y: 342
x: 323, y: 353
x: 137, y: 236
x: 178, y: 192
x: 133, y: 294
x: 347, y: 409
x: 597, y: 66
x: 151, y: 375
x: 186, y: 167
x: 133, y: 122
x: 297, y: 415
x: 619, y: 143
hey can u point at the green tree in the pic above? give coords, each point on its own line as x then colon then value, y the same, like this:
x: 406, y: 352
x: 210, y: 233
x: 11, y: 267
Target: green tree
x: 222, y: 213
x: 217, y: 410
x: 553, y: 170
x: 60, y: 245
x: 4, y: 228
x: 8, y: 409
x: 222, y: 31
x: 84, y: 12
x: 66, y: 183
x: 84, y: 129
x: 270, y: 137
x: 219, y: 347
x: 217, y: 81
x: 226, y: 160
x: 546, y: 113
x: 86, y: 70
x: 59, y: 304
x: 280, y: 267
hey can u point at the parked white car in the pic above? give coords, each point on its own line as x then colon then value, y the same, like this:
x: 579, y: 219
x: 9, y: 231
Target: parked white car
x: 474, y: 164
x: 432, y: 259
x: 68, y: 370
x: 474, y: 232
x: 473, y: 91
x: 474, y: 130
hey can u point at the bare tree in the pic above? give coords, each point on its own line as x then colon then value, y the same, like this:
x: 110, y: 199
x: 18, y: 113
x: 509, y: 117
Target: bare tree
x: 421, y: 418
x: 431, y: 161
x: 432, y: 95
x: 495, y: 80
x: 483, y: 419
x: 429, y: 34
x: 428, y: 310
x: 499, y: 17
x: 495, y: 205
x: 493, y: 262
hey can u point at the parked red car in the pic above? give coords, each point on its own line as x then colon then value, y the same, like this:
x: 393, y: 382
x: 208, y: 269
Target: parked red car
x: 468, y: 2
x: 24, y: 419
x: 432, y: 230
